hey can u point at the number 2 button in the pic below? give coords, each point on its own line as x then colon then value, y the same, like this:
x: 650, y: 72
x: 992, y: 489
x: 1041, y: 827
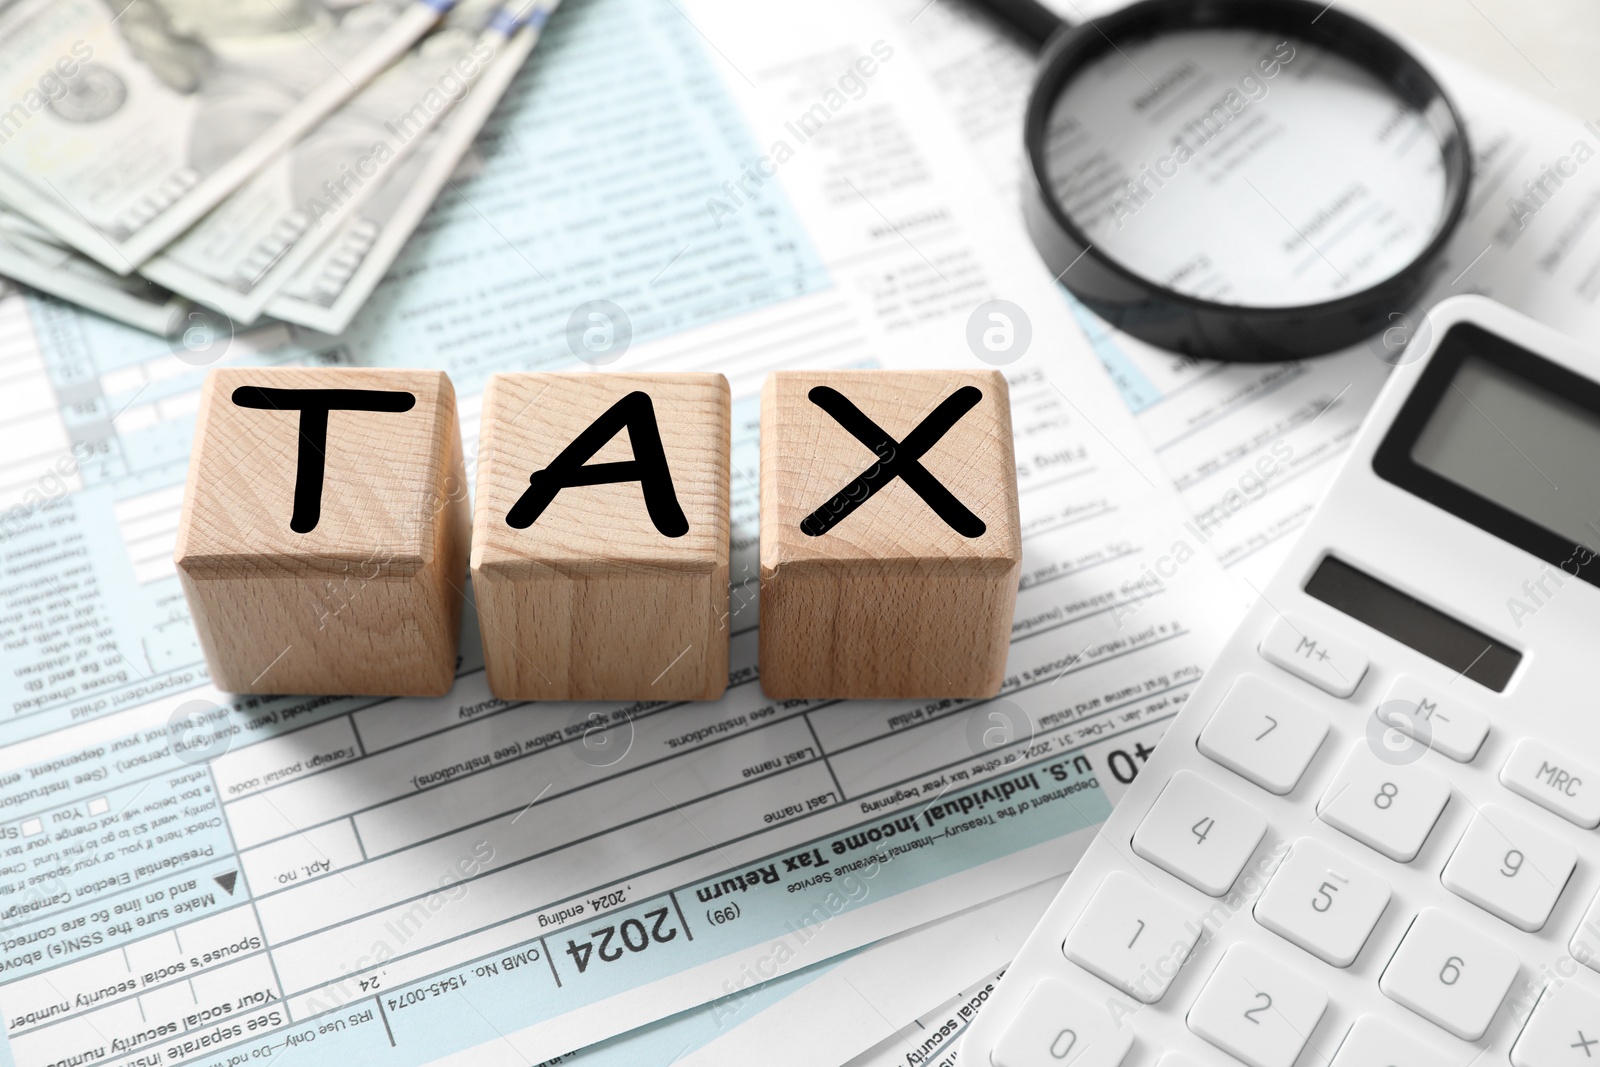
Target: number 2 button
x: 1256, y: 1009
x: 1199, y: 832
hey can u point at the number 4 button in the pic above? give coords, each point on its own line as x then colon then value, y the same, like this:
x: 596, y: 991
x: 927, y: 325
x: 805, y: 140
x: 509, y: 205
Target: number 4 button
x: 1199, y: 832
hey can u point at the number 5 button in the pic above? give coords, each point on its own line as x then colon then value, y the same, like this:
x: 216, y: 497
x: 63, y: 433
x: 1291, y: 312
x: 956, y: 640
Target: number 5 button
x: 1256, y: 1009
x: 1200, y: 833
x: 1322, y: 902
x: 1450, y: 974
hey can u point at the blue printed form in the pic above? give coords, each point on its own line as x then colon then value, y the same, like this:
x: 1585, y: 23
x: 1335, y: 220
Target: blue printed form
x: 189, y: 877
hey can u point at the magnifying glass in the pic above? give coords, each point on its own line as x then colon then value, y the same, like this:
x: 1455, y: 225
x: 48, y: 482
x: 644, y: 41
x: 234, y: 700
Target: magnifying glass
x: 1240, y: 180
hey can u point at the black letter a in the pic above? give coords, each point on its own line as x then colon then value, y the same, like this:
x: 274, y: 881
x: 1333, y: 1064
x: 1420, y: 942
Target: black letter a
x: 648, y: 467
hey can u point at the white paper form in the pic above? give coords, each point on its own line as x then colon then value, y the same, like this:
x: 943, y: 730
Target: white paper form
x: 1252, y: 447
x: 400, y: 881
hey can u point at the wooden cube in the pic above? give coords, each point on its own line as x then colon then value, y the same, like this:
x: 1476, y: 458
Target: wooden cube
x: 600, y: 536
x: 325, y: 527
x: 890, y: 543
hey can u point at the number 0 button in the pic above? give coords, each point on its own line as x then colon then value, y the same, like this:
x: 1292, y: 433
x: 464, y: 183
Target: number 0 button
x: 1256, y: 1009
x: 1450, y: 974
x: 1057, y: 1027
x: 1199, y: 832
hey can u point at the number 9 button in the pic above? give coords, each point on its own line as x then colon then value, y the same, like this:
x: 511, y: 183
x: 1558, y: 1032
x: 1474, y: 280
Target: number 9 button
x: 1510, y: 868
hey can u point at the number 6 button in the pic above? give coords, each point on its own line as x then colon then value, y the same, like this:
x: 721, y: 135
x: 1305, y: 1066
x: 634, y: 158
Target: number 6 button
x: 1256, y: 1009
x: 1200, y: 833
x: 1450, y: 974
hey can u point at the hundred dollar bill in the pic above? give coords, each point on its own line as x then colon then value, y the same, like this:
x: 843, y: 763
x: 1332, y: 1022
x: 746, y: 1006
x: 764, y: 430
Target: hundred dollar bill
x: 35, y: 257
x: 124, y: 121
x: 328, y: 290
x: 256, y: 239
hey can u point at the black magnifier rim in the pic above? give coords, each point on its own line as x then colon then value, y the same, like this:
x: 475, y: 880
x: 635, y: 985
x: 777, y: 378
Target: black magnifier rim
x: 1205, y: 328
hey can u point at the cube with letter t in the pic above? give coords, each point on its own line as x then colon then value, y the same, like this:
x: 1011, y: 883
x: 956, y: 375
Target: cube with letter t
x: 325, y: 527
x: 890, y: 542
x: 600, y: 536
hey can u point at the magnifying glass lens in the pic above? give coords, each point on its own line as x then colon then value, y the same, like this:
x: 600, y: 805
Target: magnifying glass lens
x: 1246, y: 168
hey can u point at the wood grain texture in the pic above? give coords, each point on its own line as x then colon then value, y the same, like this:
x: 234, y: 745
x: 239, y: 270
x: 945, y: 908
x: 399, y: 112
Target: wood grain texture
x: 592, y: 601
x: 369, y: 600
x: 892, y: 602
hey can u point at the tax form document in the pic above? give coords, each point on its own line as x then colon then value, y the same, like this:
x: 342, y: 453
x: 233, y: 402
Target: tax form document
x: 188, y: 878
x: 1251, y: 447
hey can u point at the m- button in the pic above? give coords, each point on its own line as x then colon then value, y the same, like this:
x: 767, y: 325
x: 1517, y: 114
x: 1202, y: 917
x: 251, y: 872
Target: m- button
x: 1313, y: 656
x: 1554, y: 780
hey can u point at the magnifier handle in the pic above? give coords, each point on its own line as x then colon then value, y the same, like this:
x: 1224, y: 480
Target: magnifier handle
x: 1034, y: 22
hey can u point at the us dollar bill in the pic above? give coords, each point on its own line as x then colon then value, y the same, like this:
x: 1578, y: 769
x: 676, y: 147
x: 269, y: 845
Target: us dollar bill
x: 328, y: 290
x: 236, y: 257
x: 35, y: 257
x: 122, y: 122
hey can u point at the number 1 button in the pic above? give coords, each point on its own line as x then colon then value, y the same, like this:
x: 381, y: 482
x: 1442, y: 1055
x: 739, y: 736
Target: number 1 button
x: 1133, y: 936
x: 1256, y: 1009
x: 1200, y: 833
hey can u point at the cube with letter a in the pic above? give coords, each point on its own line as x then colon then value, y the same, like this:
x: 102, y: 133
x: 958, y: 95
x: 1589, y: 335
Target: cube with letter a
x: 325, y: 528
x: 890, y: 543
x: 600, y: 536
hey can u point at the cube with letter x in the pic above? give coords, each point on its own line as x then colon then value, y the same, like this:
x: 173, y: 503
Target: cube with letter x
x: 890, y: 543
x: 600, y: 536
x: 323, y: 542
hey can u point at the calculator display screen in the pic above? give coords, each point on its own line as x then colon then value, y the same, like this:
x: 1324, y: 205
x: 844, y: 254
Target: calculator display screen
x: 1508, y: 441
x: 1442, y: 638
x: 1519, y: 445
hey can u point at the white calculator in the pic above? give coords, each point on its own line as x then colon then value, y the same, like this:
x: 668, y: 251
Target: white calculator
x: 1369, y: 838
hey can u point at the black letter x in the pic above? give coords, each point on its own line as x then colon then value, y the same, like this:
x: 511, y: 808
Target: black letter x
x: 896, y: 459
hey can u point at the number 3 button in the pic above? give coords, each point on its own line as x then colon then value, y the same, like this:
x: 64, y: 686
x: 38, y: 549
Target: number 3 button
x: 1200, y: 833
x: 1256, y: 1009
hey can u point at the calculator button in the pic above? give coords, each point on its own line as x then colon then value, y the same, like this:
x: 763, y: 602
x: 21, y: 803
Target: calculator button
x: 1554, y: 780
x: 1444, y: 723
x: 1322, y: 902
x: 1133, y: 936
x: 1509, y: 867
x: 1263, y: 734
x: 1373, y: 1042
x: 1056, y: 1027
x: 1449, y: 973
x: 1256, y: 1009
x: 1199, y: 832
x: 1386, y: 806
x: 1564, y: 1030
x: 1313, y: 656
x: 1585, y: 944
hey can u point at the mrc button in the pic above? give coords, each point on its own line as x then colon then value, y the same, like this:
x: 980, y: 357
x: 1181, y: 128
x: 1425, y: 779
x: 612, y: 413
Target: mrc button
x: 1554, y: 780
